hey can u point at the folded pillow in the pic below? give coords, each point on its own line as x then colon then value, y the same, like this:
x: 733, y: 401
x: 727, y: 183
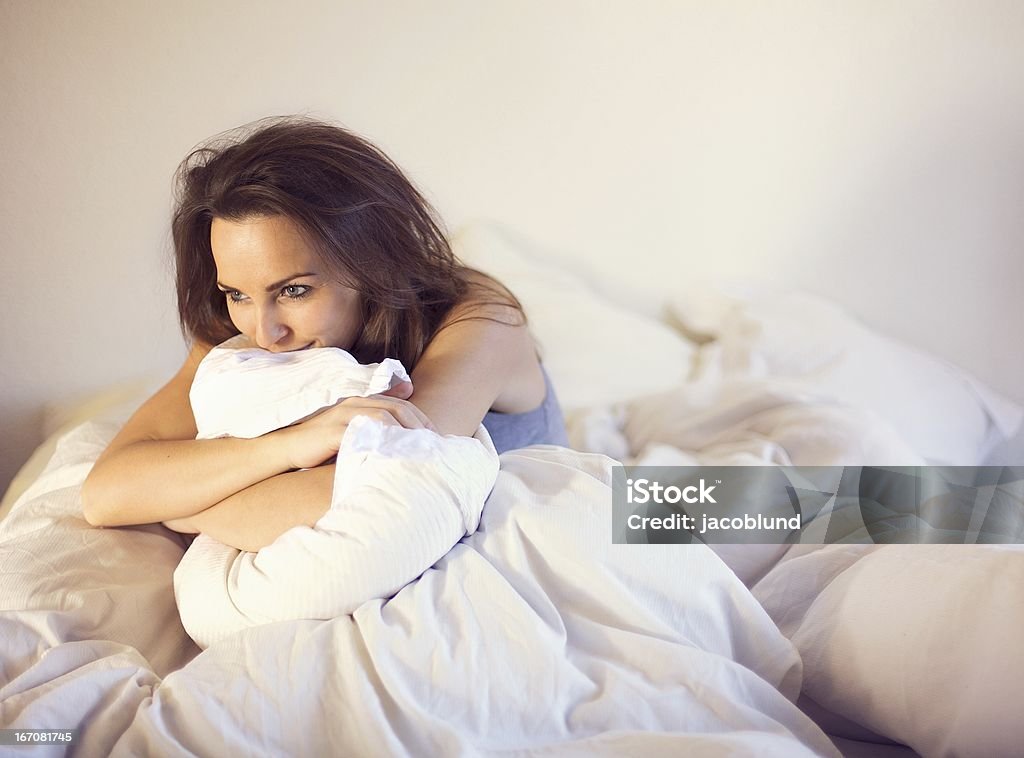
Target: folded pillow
x: 240, y: 390
x: 597, y: 353
x: 401, y: 499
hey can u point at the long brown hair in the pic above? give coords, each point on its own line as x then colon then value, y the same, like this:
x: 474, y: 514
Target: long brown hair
x: 365, y: 219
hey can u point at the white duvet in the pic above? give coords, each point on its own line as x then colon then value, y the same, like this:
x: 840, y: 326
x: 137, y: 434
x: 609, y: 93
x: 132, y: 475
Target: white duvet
x: 914, y: 643
x: 535, y: 634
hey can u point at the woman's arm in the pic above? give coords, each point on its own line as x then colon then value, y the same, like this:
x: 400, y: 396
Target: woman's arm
x: 483, y: 358
x: 471, y: 366
x: 155, y: 469
x: 256, y: 516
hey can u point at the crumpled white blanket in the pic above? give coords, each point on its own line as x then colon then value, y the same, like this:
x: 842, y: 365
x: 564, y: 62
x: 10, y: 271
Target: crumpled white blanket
x: 402, y: 497
x: 533, y: 636
x: 913, y: 642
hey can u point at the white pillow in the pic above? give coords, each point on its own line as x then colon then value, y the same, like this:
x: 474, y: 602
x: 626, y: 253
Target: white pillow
x: 401, y: 499
x: 597, y: 353
x: 946, y: 415
x: 920, y: 643
x: 240, y: 390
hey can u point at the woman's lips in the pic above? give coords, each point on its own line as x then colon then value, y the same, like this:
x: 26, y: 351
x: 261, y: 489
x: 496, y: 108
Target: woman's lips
x: 297, y: 349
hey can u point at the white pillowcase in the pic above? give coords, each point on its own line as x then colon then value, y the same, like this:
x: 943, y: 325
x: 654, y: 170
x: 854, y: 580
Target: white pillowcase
x: 240, y: 390
x: 597, y: 353
x: 920, y: 643
x: 946, y: 415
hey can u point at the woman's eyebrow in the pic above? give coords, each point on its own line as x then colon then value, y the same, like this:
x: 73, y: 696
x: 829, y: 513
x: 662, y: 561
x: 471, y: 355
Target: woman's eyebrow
x: 270, y: 287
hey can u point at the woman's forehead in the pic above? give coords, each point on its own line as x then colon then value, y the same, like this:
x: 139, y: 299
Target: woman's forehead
x: 262, y: 248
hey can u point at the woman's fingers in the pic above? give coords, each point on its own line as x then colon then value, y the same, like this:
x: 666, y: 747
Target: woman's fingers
x: 408, y: 414
x: 318, y: 437
x: 402, y: 390
x: 401, y: 411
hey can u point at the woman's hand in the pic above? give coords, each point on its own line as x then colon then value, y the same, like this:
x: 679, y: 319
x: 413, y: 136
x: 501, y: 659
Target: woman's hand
x: 318, y: 438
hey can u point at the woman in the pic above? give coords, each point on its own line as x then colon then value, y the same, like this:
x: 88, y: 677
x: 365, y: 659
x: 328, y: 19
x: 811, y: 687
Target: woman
x: 302, y: 235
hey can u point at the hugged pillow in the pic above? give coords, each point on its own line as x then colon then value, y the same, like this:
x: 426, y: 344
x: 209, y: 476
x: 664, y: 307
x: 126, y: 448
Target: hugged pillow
x: 597, y: 353
x: 401, y: 498
x: 946, y: 415
x: 240, y: 390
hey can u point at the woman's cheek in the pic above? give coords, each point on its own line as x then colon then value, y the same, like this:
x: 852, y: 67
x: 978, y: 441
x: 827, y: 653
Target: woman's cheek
x: 238, y: 319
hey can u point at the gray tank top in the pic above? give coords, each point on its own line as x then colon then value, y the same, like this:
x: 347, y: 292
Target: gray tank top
x: 544, y: 425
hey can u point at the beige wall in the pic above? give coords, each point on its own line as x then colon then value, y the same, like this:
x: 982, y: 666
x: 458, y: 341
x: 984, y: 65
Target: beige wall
x: 869, y: 150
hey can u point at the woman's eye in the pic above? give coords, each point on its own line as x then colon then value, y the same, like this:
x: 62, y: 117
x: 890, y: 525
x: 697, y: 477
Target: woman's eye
x: 234, y: 296
x: 295, y: 291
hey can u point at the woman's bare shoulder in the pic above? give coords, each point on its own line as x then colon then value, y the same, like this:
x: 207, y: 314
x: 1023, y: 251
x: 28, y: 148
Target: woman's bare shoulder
x: 487, y: 298
x: 488, y: 329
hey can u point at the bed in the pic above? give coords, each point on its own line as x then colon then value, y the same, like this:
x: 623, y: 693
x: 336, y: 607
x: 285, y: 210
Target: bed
x: 535, y: 635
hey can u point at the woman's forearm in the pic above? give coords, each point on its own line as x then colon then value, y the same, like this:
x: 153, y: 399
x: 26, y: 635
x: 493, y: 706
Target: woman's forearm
x: 160, y: 480
x: 256, y: 516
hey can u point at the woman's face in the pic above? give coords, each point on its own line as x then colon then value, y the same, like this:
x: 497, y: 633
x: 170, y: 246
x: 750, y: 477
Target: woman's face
x: 279, y: 293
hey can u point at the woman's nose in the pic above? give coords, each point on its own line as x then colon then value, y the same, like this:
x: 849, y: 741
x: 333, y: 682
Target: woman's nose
x: 269, y: 329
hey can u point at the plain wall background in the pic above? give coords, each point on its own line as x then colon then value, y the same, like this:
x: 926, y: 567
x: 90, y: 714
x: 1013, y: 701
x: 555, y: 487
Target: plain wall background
x: 870, y: 151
